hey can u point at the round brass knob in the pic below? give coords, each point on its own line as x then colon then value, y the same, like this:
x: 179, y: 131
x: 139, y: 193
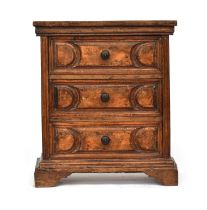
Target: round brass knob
x: 105, y: 140
x: 105, y: 97
x: 105, y: 54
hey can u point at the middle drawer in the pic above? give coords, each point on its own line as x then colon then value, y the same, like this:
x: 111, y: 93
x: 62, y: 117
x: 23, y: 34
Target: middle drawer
x: 69, y: 96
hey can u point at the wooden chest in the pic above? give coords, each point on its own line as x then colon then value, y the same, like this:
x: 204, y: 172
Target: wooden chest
x: 105, y: 99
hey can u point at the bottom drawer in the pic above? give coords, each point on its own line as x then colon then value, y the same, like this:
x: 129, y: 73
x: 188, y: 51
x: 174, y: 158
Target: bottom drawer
x: 75, y: 139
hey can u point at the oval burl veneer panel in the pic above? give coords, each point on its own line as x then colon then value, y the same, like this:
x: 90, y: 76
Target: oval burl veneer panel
x: 67, y: 140
x: 144, y: 97
x: 119, y: 139
x: 65, y: 97
x: 119, y: 54
x: 145, y: 138
x: 67, y: 54
x: 144, y: 54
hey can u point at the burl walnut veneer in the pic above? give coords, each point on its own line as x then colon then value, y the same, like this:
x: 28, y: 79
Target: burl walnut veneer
x: 105, y: 99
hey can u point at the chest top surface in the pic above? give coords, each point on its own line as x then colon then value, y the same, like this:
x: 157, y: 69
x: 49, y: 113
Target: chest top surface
x: 105, y: 27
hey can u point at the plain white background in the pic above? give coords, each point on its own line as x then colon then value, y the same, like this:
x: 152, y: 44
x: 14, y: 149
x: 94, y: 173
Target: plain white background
x: 20, y: 113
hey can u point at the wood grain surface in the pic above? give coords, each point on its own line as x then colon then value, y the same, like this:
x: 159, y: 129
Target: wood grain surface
x: 105, y: 99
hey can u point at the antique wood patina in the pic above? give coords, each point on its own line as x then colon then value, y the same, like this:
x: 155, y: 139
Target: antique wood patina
x: 105, y: 99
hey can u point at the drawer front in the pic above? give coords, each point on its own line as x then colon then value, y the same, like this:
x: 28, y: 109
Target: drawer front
x: 69, y: 55
x: 139, y: 96
x: 142, y: 138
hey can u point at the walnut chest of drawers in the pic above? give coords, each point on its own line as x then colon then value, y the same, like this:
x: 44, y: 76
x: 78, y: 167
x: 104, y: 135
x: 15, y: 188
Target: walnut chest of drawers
x: 105, y: 99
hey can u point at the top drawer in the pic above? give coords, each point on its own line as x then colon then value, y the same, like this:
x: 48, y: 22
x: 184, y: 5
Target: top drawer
x: 69, y: 55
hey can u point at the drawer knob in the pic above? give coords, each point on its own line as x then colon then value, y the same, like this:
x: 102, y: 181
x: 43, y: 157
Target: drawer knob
x: 105, y: 54
x: 105, y: 140
x: 105, y: 97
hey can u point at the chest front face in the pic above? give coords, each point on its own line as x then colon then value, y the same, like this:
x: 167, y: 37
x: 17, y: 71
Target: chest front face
x: 123, y: 84
x: 105, y: 98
